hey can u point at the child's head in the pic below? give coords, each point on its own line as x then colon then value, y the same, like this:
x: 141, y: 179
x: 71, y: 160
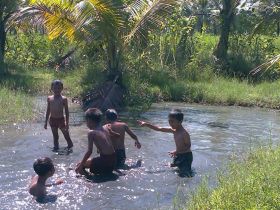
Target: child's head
x: 44, y: 167
x: 175, y: 118
x: 93, y: 117
x: 57, y: 86
x: 111, y: 115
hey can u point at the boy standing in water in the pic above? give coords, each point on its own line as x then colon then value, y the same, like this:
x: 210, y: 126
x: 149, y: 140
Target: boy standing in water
x: 56, y: 104
x: 182, y: 156
x: 44, y: 169
x: 118, y: 140
x: 100, y: 137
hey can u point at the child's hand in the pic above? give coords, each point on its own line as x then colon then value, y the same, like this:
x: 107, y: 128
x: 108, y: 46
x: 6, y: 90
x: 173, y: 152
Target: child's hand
x: 141, y: 123
x: 59, y: 181
x: 172, y: 153
x: 137, y: 144
x: 79, y: 168
x: 46, y: 125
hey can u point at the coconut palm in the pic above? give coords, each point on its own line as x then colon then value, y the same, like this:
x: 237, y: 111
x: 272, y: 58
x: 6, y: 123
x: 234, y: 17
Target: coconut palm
x: 114, y: 24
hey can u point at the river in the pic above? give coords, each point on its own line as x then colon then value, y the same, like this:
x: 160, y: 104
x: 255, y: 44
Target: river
x: 217, y: 133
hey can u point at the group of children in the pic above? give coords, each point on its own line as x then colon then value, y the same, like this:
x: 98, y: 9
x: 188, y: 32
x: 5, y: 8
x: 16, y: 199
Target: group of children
x: 107, y: 138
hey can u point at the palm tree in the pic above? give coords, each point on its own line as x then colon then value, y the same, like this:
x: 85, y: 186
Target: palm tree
x: 114, y: 24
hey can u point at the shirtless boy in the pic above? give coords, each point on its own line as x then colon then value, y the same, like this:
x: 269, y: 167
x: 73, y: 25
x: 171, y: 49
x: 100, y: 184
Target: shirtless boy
x: 182, y: 156
x: 44, y: 169
x: 100, y: 137
x: 56, y: 104
x: 118, y: 140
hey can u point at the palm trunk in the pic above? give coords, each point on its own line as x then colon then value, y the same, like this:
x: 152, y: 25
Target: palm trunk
x: 114, y: 63
x: 226, y: 15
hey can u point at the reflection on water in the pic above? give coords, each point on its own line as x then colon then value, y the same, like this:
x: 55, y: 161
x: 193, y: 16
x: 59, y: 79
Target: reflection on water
x: 216, y: 133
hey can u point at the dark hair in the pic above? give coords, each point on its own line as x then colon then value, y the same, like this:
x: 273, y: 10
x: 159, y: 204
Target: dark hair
x: 94, y: 114
x: 111, y: 114
x: 57, y: 82
x: 176, y: 114
x: 43, y: 165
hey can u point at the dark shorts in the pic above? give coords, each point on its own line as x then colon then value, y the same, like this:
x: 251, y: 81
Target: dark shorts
x: 57, y: 122
x: 120, y: 157
x: 103, y: 164
x: 183, y: 161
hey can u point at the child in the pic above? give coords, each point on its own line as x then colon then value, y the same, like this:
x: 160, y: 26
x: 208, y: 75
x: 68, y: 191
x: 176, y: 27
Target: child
x: 44, y: 169
x: 56, y: 104
x: 182, y: 155
x: 99, y: 136
x: 118, y: 140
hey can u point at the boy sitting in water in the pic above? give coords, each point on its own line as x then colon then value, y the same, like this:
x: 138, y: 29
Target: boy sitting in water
x: 56, y: 104
x: 182, y: 156
x: 99, y: 136
x: 118, y: 140
x: 44, y: 169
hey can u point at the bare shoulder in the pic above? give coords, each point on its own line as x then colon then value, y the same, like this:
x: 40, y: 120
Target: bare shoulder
x: 50, y: 98
x: 64, y: 98
x: 120, y: 124
x: 91, y: 133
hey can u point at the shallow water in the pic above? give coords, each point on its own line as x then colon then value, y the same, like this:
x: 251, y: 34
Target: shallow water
x: 216, y: 133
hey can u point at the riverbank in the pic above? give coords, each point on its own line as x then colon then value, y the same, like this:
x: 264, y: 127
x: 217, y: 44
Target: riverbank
x: 250, y: 184
x: 19, y: 88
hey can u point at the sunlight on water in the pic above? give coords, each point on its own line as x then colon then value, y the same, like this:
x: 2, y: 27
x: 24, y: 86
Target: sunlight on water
x: 217, y: 133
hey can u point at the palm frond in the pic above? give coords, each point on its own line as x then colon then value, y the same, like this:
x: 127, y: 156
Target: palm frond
x: 147, y: 15
x: 81, y: 21
x: 266, y: 66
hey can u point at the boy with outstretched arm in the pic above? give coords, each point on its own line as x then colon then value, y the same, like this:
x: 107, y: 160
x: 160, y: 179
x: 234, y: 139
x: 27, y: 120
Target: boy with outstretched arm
x: 118, y: 140
x: 56, y: 104
x: 182, y: 156
x: 100, y: 137
x: 44, y: 169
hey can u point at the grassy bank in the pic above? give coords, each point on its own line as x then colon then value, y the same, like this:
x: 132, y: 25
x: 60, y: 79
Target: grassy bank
x: 251, y: 184
x: 15, y: 106
x: 25, y: 84
x: 224, y: 91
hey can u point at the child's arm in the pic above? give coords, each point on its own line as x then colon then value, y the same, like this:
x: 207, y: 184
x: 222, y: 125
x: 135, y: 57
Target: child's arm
x: 132, y: 135
x: 47, y: 114
x: 66, y: 112
x: 156, y: 128
x: 80, y: 166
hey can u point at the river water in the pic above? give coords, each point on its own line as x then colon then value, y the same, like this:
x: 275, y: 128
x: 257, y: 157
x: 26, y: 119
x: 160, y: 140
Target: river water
x: 217, y: 134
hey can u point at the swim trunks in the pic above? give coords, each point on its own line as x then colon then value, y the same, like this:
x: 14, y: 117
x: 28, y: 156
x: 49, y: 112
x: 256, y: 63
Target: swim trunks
x: 57, y: 122
x: 120, y: 157
x: 103, y: 164
x: 183, y: 161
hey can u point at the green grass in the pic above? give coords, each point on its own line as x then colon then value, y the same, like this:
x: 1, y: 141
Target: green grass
x: 223, y: 91
x: 250, y: 184
x: 15, y: 106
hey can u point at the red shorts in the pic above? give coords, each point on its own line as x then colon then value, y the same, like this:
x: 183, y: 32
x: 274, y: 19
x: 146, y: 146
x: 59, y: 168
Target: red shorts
x: 103, y: 164
x: 57, y: 122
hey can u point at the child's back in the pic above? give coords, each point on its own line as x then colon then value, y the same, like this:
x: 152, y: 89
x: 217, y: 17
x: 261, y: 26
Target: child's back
x: 118, y: 140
